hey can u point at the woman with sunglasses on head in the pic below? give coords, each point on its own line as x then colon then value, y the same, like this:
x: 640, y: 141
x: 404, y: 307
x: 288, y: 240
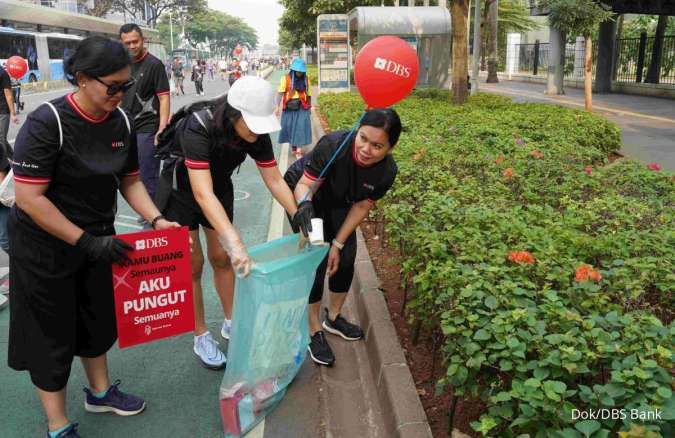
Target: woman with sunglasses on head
x: 341, y: 188
x: 71, y: 157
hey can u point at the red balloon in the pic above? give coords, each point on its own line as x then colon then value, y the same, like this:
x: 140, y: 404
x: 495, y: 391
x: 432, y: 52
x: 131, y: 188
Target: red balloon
x: 16, y: 67
x: 385, y: 71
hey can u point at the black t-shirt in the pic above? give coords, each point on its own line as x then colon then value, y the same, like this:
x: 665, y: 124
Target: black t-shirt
x: 84, y: 175
x: 222, y: 159
x: 152, y: 82
x: 346, y: 182
x: 5, y: 84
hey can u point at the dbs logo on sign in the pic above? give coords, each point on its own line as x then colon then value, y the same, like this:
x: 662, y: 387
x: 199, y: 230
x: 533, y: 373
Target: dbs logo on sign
x: 157, y: 242
x: 392, y: 67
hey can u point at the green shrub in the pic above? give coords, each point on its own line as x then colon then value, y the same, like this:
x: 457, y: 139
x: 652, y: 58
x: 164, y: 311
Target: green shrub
x: 480, y: 181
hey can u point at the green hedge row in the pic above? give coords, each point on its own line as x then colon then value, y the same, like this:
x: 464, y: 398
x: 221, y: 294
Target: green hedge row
x: 547, y: 269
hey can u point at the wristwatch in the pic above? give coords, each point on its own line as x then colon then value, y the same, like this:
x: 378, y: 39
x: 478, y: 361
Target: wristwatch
x: 338, y: 245
x: 155, y: 220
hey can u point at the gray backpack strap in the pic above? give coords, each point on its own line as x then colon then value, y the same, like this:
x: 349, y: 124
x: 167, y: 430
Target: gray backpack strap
x: 58, y: 122
x: 126, y: 119
x: 199, y: 119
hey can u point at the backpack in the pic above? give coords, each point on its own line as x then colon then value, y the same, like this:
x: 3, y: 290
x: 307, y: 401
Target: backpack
x: 169, y: 148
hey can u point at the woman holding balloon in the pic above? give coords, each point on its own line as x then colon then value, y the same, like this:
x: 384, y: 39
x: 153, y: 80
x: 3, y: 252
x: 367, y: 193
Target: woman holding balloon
x: 346, y: 174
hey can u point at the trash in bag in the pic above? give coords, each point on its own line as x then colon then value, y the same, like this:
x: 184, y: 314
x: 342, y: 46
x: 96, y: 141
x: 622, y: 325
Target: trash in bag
x: 269, y: 336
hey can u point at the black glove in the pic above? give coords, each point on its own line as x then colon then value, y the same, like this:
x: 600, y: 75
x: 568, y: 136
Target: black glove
x: 303, y: 217
x: 104, y: 248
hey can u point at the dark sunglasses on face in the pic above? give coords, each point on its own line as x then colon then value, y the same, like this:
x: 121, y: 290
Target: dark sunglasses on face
x: 113, y: 89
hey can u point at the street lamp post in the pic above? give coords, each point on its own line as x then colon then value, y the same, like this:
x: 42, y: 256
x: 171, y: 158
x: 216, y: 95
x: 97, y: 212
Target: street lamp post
x: 171, y: 30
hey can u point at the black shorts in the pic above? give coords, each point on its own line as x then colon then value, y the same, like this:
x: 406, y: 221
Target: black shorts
x: 62, y: 306
x: 183, y: 208
x: 341, y: 281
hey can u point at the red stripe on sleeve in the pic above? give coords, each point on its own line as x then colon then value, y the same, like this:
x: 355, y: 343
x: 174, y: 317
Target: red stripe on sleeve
x: 312, y: 177
x: 31, y: 179
x: 270, y: 163
x: 163, y: 93
x: 372, y: 201
x: 134, y: 173
x: 195, y: 164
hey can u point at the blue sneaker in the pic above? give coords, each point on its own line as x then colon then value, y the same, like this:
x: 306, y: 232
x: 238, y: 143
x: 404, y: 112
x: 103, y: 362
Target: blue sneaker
x: 226, y: 329
x: 114, y: 401
x: 68, y: 432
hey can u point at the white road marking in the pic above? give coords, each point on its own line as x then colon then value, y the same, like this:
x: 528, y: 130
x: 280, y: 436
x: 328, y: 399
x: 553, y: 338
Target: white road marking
x: 276, y: 229
x: 240, y: 195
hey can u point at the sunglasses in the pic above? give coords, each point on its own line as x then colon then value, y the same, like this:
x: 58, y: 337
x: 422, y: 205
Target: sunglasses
x: 113, y: 89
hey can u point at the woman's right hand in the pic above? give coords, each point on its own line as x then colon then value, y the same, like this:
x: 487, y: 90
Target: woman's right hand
x: 235, y: 249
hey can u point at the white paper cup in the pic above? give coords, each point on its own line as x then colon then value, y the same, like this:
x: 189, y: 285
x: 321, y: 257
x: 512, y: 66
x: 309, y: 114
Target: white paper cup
x: 316, y: 235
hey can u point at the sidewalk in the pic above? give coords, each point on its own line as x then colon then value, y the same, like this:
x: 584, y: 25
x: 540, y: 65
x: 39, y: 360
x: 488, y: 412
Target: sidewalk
x: 647, y: 123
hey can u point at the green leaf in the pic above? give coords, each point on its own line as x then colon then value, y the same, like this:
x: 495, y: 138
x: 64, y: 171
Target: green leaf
x: 664, y: 392
x: 587, y: 427
x: 541, y: 373
x: 491, y: 302
x: 482, y: 335
x: 502, y: 397
x: 512, y: 342
x: 533, y: 383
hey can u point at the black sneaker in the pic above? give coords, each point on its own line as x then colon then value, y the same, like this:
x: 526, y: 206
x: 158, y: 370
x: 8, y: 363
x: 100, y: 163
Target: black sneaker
x: 342, y: 327
x: 319, y: 349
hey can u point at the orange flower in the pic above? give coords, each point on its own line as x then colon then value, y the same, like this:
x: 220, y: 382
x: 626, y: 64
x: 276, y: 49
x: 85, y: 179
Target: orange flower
x: 500, y: 159
x: 587, y: 273
x: 421, y: 153
x: 521, y: 257
x: 588, y: 170
x: 537, y: 154
x: 508, y: 173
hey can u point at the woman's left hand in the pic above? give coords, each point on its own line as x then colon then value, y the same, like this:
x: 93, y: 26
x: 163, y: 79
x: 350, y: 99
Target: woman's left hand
x: 164, y: 224
x: 333, y: 260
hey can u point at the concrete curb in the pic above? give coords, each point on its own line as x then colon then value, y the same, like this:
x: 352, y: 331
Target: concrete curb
x: 396, y: 391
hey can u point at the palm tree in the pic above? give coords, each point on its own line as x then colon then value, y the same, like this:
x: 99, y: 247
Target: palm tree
x: 459, y: 11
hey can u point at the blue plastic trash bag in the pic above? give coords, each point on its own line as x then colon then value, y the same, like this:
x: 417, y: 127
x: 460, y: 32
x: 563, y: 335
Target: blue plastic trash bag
x: 269, y: 336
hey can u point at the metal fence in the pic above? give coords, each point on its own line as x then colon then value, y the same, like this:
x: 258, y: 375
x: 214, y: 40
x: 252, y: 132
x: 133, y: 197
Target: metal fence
x: 633, y: 57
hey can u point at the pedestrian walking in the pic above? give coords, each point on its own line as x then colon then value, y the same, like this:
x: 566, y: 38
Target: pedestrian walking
x: 211, y: 68
x: 16, y: 93
x: 198, y: 77
x: 147, y: 102
x: 7, y: 115
x: 178, y: 71
x: 214, y: 142
x: 294, y: 102
x: 67, y: 176
x: 342, y: 189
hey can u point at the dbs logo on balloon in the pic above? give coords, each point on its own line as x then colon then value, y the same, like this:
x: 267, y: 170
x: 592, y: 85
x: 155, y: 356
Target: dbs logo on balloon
x: 392, y: 67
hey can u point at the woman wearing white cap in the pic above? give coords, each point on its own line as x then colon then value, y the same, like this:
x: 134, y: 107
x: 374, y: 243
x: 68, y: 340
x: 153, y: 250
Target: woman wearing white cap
x: 214, y: 144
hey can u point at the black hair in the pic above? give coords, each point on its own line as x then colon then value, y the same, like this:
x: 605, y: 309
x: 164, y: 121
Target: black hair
x: 96, y: 57
x: 224, y: 118
x: 385, y: 118
x: 130, y: 27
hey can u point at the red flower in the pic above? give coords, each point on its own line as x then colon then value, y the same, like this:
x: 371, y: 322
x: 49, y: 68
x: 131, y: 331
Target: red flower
x: 654, y: 166
x: 587, y: 273
x: 588, y: 170
x: 508, y: 173
x: 537, y: 154
x: 521, y: 257
x: 500, y: 159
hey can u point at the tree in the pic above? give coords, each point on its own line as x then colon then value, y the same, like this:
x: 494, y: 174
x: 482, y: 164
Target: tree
x: 156, y: 8
x: 657, y: 51
x: 579, y: 17
x: 460, y: 53
x: 492, y: 7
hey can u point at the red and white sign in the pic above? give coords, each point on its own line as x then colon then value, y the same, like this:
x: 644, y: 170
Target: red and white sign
x: 153, y: 292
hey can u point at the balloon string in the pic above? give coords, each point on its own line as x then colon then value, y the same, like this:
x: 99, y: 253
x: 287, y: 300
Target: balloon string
x: 316, y: 184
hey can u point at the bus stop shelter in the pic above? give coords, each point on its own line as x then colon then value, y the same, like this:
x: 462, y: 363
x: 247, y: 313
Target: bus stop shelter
x: 427, y: 29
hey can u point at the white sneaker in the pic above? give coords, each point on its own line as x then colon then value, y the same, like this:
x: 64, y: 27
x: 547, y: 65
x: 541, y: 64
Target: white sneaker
x: 227, y: 328
x: 207, y: 349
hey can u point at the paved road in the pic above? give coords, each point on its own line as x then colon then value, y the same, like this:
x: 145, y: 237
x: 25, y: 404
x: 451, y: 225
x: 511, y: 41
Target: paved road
x: 647, y: 123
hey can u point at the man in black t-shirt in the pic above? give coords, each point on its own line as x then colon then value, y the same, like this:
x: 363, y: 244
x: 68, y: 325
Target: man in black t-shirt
x: 147, y: 102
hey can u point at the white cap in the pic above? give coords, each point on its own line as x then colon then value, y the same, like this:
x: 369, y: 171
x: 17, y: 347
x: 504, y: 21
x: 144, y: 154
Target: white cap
x: 254, y: 97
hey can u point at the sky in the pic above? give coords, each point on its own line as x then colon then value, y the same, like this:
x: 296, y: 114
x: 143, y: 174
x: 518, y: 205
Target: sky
x: 261, y: 15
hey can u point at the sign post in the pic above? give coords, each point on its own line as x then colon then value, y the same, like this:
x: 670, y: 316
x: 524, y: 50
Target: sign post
x: 153, y: 291
x: 334, y: 52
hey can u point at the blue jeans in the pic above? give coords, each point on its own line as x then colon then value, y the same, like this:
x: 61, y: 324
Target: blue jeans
x: 4, y: 235
x: 148, y: 164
